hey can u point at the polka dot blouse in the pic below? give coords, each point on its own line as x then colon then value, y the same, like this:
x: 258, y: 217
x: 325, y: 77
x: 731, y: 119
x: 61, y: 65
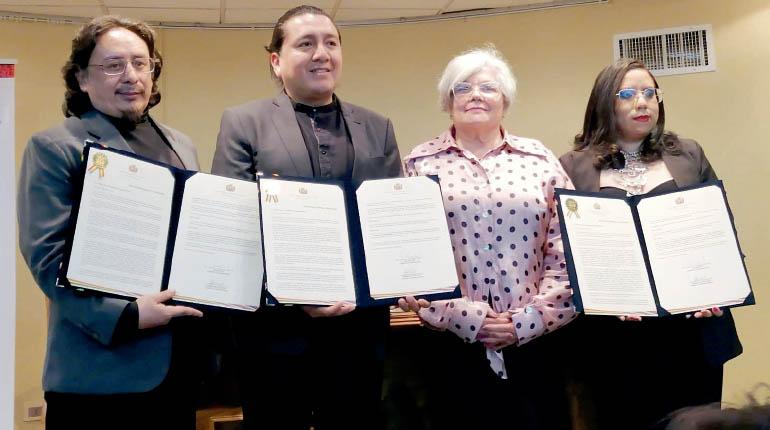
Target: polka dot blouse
x: 505, y: 234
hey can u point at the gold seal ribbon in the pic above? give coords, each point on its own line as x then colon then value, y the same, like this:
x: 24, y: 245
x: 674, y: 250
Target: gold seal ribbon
x: 99, y: 162
x: 572, y: 208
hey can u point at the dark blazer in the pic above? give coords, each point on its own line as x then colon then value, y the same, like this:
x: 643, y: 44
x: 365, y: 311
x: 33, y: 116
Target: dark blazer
x: 720, y: 339
x: 263, y: 136
x: 81, y: 356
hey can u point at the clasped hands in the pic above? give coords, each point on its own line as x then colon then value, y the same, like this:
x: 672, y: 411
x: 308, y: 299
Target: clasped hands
x: 496, y: 332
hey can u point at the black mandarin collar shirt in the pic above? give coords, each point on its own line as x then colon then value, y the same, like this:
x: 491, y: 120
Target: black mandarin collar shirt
x: 327, y: 139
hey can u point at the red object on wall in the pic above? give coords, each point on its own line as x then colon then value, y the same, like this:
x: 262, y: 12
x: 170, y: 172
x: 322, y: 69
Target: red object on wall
x: 7, y: 70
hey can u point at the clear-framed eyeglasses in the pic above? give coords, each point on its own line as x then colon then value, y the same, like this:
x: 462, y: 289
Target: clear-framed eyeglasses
x: 117, y: 66
x: 486, y: 89
x: 649, y: 94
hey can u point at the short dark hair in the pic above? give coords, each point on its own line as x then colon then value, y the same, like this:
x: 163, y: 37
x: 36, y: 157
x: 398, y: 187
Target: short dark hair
x: 77, y: 102
x: 754, y: 415
x: 600, y: 125
x: 279, y: 34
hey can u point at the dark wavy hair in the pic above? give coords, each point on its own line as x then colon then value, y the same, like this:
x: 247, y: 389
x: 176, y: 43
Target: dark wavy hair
x: 600, y: 130
x: 77, y: 102
x: 279, y: 33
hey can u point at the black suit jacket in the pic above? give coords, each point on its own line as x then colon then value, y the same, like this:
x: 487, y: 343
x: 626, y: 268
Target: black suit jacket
x: 720, y: 339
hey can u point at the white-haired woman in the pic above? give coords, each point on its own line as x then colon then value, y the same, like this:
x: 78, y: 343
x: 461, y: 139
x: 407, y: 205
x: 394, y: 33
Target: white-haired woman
x: 498, y: 193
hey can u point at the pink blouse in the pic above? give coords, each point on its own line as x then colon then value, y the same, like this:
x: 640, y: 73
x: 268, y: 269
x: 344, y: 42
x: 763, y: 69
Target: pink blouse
x: 501, y: 213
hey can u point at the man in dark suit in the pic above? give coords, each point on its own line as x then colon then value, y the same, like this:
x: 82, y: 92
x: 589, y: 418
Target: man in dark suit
x: 309, y: 365
x: 110, y: 363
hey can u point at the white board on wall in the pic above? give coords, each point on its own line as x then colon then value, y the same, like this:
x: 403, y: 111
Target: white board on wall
x: 7, y: 241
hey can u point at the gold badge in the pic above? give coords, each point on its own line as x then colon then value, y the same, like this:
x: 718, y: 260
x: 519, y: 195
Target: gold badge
x: 271, y: 198
x: 572, y: 208
x: 99, y: 162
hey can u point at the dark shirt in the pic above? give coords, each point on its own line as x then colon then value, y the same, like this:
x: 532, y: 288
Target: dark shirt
x: 327, y: 140
x: 146, y: 140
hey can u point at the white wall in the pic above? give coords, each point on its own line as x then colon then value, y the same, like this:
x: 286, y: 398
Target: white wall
x: 7, y: 248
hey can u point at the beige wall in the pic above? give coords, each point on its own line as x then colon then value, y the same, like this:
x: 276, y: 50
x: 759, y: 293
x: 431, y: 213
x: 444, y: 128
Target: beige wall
x: 555, y: 55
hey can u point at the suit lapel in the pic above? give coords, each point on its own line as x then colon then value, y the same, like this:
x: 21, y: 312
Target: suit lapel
x: 680, y: 168
x: 357, y: 131
x: 361, y: 146
x: 187, y: 157
x: 103, y: 132
x: 586, y: 175
x: 285, y: 122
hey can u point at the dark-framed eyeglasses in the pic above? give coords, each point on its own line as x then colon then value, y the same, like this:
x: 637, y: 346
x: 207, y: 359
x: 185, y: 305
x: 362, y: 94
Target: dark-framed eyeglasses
x: 117, y: 66
x: 649, y: 94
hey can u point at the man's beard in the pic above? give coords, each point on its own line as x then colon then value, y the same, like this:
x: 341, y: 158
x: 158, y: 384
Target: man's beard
x: 134, y: 116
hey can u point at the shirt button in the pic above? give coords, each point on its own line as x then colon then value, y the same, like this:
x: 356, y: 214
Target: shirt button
x: 484, y: 214
x: 487, y: 247
x: 323, y: 152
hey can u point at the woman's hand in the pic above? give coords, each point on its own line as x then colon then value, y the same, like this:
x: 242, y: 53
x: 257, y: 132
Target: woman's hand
x: 497, y: 331
x: 636, y: 318
x: 409, y: 303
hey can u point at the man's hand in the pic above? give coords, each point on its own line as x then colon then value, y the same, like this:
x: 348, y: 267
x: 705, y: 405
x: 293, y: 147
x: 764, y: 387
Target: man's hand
x: 409, y: 303
x: 153, y: 313
x: 335, y: 310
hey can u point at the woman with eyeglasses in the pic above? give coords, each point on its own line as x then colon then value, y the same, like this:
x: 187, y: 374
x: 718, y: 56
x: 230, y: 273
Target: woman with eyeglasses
x: 634, y: 371
x: 498, y: 189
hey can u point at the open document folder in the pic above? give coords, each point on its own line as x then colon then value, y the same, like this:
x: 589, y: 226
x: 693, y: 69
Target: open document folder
x: 653, y: 254
x: 325, y: 242
x: 140, y: 227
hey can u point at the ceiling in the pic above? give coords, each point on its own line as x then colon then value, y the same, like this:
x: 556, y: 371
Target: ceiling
x: 264, y: 13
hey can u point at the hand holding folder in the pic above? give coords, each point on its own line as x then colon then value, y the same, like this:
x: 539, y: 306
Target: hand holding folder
x: 141, y: 227
x: 655, y: 254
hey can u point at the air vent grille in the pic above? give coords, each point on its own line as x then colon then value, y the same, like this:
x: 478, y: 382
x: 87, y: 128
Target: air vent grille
x: 670, y: 51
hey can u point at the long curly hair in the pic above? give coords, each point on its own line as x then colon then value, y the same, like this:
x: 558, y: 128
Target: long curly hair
x: 77, y: 102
